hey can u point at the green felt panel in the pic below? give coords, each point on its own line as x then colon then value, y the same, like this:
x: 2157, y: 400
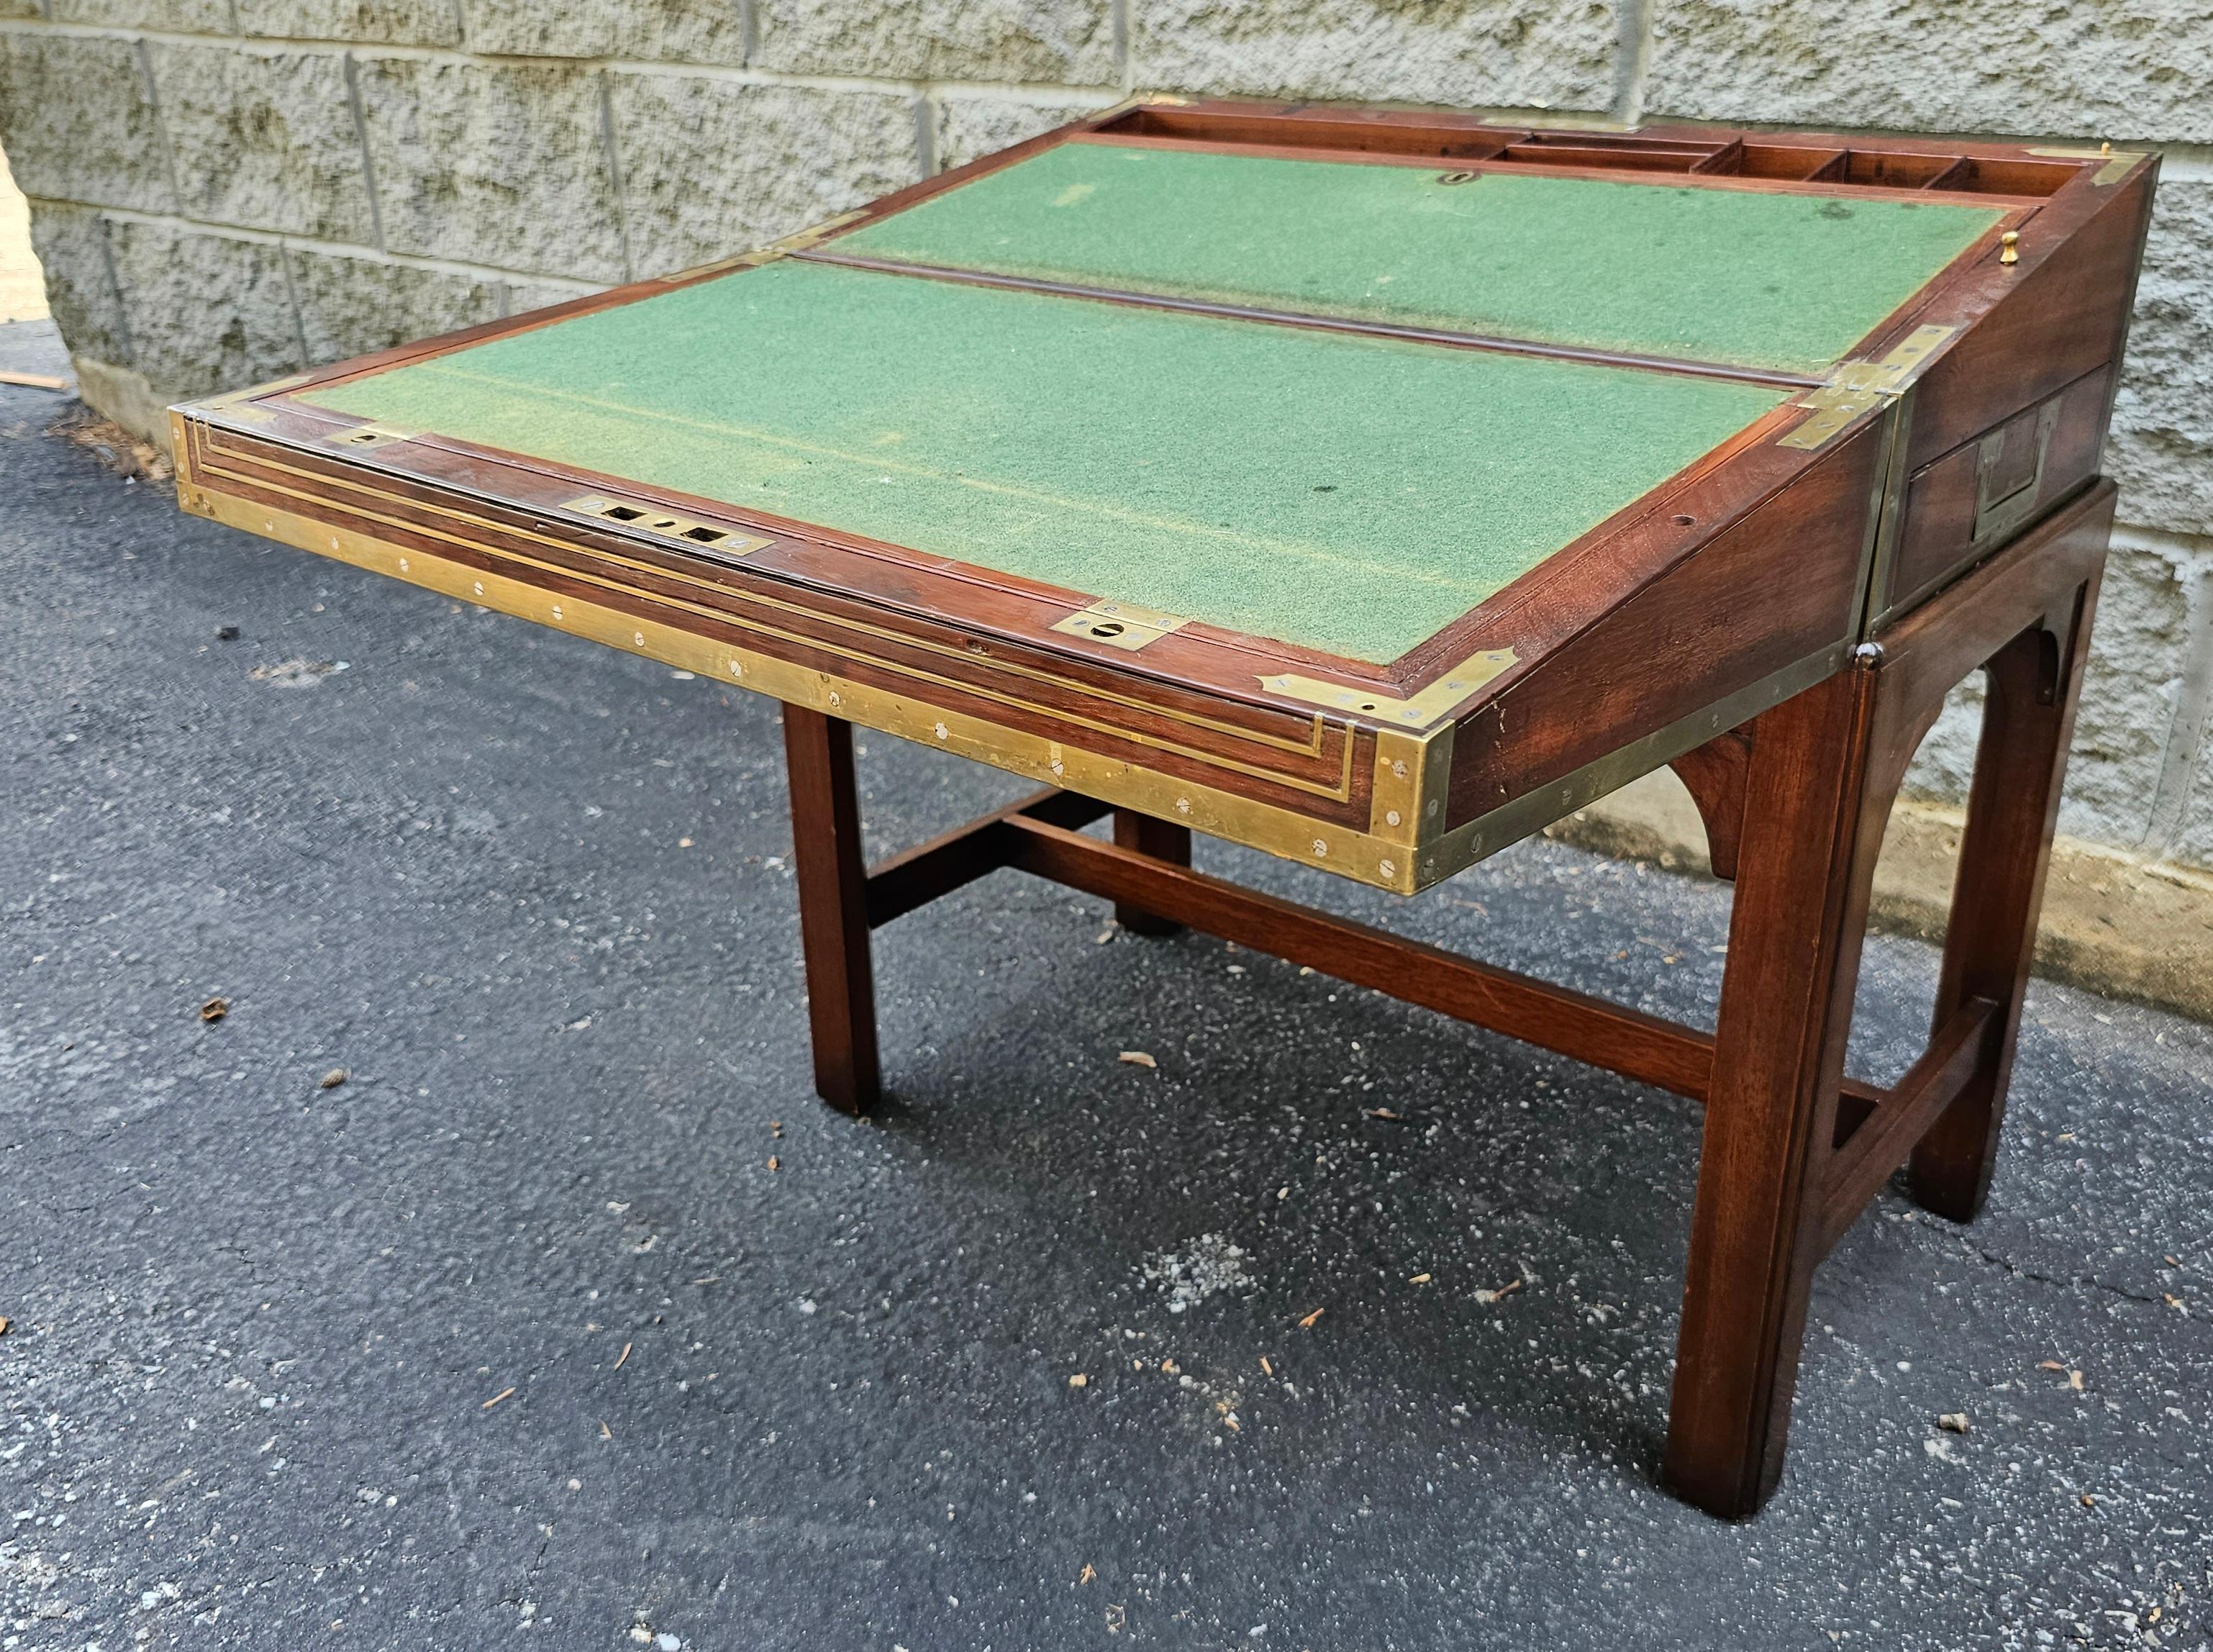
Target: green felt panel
x: 1699, y: 272
x: 1347, y: 493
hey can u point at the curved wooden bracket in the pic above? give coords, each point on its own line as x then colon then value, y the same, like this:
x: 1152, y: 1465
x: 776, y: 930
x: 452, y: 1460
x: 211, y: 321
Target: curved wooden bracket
x: 1714, y: 775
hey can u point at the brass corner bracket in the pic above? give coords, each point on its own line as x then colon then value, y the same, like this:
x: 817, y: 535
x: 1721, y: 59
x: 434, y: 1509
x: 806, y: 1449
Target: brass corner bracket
x: 1416, y: 710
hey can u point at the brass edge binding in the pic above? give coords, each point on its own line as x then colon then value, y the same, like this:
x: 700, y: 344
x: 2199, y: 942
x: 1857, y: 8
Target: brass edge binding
x: 1359, y: 856
x: 1856, y: 387
x: 456, y: 531
x: 2117, y: 161
x: 240, y: 404
x: 1418, y: 710
x: 1511, y: 821
x: 1885, y: 517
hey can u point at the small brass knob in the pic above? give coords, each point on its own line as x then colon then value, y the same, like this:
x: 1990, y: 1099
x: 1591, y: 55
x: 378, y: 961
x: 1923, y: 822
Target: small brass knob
x: 2009, y: 246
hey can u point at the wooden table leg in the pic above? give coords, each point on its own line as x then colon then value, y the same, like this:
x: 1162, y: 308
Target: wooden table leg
x: 1814, y: 816
x: 1164, y: 841
x: 2028, y: 721
x: 834, y: 912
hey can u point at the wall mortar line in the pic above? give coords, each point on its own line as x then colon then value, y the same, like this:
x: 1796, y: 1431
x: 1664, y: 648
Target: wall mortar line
x: 2186, y: 724
x: 330, y: 248
x: 925, y: 133
x: 145, y: 58
x: 292, y: 299
x: 1010, y: 91
x: 367, y: 159
x: 615, y: 174
x: 1633, y: 61
x: 115, y: 286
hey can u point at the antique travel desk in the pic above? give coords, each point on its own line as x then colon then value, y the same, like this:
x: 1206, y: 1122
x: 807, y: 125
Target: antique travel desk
x: 1372, y: 488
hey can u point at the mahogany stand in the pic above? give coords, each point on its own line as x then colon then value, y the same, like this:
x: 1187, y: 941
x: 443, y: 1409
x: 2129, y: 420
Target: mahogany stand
x: 1795, y: 804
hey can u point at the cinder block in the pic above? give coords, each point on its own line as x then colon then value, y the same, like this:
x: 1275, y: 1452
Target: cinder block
x: 2160, y: 449
x: 970, y: 124
x: 1067, y: 42
x: 351, y: 305
x: 2138, y: 71
x: 676, y: 31
x: 500, y: 164
x: 77, y: 120
x: 207, y: 313
x: 711, y: 167
x: 1447, y: 51
x: 264, y: 139
x: 392, y: 22
x: 71, y: 244
x: 2137, y: 649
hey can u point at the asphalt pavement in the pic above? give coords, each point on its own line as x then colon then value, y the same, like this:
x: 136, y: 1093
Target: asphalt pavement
x: 486, y: 1274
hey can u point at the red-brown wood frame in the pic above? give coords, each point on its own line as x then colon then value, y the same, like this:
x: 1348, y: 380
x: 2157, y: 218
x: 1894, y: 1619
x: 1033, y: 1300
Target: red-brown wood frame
x: 1792, y: 1149
x: 1748, y: 574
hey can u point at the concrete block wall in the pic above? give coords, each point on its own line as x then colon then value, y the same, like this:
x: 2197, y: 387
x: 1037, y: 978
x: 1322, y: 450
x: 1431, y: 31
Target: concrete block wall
x: 225, y: 189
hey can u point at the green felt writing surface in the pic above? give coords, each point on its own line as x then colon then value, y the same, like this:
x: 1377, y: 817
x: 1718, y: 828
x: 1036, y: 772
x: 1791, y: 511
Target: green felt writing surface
x: 1349, y: 493
x: 1699, y: 272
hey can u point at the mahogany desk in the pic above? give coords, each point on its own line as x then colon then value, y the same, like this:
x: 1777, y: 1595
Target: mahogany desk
x: 1371, y: 488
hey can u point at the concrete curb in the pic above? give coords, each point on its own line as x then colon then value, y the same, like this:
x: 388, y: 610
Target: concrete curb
x: 2113, y: 923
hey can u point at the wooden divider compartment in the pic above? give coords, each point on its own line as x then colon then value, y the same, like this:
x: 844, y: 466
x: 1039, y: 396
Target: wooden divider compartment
x: 1694, y: 150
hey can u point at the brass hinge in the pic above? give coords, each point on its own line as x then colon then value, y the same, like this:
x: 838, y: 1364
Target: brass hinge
x: 1857, y: 386
x: 1418, y: 710
x: 798, y: 241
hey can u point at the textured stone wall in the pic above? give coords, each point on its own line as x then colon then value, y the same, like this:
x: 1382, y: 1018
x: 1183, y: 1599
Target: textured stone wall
x: 223, y: 190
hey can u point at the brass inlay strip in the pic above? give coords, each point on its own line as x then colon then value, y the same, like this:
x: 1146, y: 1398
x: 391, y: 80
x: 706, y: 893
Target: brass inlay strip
x: 1277, y: 830
x: 1340, y: 791
x: 1310, y: 747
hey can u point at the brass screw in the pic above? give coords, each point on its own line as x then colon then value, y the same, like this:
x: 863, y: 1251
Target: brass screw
x: 2009, y: 246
